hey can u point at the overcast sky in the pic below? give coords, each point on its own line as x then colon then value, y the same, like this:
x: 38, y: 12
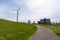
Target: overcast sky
x: 33, y: 10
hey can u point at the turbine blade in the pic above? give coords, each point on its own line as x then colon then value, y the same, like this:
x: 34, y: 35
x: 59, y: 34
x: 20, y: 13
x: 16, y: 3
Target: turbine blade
x: 14, y: 10
x: 19, y: 9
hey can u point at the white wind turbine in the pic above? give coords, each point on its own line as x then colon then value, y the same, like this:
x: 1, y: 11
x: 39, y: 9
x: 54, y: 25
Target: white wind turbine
x: 17, y: 13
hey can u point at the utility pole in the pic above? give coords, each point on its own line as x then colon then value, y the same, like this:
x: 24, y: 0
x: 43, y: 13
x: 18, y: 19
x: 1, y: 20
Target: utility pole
x: 17, y: 14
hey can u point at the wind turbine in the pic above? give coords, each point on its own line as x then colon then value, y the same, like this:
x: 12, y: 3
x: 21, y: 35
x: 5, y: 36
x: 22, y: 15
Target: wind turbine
x: 17, y: 13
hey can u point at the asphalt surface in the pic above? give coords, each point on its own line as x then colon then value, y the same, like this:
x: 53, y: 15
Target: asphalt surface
x: 44, y: 34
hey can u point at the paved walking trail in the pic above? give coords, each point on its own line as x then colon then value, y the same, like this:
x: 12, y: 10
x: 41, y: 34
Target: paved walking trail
x: 44, y: 34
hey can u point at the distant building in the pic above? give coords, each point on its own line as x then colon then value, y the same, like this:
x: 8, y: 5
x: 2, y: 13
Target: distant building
x: 33, y: 22
x: 29, y: 22
x: 44, y: 21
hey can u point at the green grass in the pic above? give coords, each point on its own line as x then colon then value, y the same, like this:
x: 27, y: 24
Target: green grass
x: 54, y: 27
x: 15, y: 31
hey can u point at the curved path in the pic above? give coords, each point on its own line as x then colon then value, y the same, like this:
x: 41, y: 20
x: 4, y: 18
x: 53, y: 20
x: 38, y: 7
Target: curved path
x: 44, y: 34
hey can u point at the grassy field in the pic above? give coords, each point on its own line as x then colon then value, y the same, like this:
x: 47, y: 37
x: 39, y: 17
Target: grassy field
x: 54, y: 27
x: 15, y: 31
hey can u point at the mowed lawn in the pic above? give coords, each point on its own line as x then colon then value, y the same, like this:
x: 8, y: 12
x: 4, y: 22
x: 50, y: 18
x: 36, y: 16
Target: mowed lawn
x: 54, y: 27
x: 15, y: 31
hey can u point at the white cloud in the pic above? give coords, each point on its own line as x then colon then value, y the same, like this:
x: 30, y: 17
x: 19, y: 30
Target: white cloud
x: 39, y: 8
x: 6, y: 12
x: 31, y: 9
x: 2, y: 11
x: 43, y: 8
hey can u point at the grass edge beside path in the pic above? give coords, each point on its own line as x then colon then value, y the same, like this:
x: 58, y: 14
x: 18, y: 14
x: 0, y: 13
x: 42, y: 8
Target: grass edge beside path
x: 55, y: 28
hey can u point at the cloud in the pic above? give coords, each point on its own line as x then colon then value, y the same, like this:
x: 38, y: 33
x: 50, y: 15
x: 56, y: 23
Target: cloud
x: 38, y: 9
x: 44, y: 8
x: 6, y: 12
x: 2, y: 10
x: 32, y: 10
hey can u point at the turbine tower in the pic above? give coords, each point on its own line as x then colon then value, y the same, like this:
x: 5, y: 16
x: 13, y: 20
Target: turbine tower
x: 17, y: 13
